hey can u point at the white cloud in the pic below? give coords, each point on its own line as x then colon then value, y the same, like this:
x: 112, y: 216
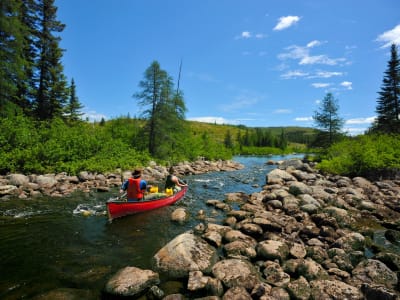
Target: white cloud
x: 390, y: 37
x: 260, y: 36
x: 286, y: 22
x: 319, y: 85
x: 304, y: 119
x: 246, y: 35
x: 320, y: 59
x: 249, y: 35
x: 282, y: 111
x: 325, y: 74
x: 313, y: 44
x: 354, y: 130
x: 303, y: 55
x: 347, y: 84
x: 93, y: 116
x: 217, y: 120
x: 294, y: 74
x: 368, y: 120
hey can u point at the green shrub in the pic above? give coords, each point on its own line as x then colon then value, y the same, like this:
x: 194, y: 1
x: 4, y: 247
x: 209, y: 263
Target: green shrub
x: 366, y: 155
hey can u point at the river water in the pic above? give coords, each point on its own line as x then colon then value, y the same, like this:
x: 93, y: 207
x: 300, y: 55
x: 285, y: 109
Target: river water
x: 45, y: 244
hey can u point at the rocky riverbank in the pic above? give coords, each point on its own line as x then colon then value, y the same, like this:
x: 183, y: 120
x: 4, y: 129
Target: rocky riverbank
x: 303, y: 236
x: 60, y: 185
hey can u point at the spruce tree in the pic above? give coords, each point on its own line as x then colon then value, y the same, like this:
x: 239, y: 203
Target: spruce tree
x: 73, y: 108
x: 328, y: 121
x: 388, y: 103
x: 12, y: 60
x: 52, y: 87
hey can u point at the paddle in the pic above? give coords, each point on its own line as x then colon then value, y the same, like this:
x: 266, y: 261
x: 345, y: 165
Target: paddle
x: 122, y: 196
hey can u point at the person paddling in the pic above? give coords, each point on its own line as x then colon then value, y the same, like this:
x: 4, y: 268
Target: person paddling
x: 173, y: 181
x: 135, y: 186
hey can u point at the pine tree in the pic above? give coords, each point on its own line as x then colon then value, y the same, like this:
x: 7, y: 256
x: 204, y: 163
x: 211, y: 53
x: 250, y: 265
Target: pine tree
x: 163, y: 109
x: 52, y: 87
x: 73, y: 108
x: 388, y: 104
x: 327, y: 119
x: 12, y: 61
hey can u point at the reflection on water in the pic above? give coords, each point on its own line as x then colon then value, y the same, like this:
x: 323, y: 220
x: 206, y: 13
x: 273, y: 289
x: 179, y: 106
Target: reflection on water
x: 49, y: 243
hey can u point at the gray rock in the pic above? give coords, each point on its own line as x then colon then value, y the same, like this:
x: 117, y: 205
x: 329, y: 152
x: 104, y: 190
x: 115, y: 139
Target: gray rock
x: 185, y: 253
x: 236, y: 272
x: 334, y: 289
x: 375, y: 272
x: 18, y: 179
x: 131, y: 281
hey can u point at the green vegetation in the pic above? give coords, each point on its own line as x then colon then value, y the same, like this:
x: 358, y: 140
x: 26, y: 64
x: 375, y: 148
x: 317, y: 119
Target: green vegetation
x: 32, y: 146
x: 373, y: 156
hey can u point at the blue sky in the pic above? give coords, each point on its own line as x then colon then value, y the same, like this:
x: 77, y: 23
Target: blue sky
x: 251, y: 62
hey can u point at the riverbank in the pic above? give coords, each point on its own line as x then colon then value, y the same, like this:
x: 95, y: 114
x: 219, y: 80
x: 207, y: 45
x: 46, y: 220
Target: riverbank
x: 303, y: 236
x: 60, y: 185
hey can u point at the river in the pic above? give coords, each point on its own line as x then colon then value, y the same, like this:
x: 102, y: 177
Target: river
x: 44, y: 245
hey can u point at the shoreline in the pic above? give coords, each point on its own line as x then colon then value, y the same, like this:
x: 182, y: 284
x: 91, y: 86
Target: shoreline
x: 22, y: 186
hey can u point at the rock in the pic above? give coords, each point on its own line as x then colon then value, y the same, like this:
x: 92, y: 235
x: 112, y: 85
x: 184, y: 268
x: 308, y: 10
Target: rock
x: 236, y: 272
x: 298, y: 250
x: 236, y: 235
x: 238, y: 197
x: 46, y: 181
x: 131, y: 281
x: 297, y: 188
x: 8, y: 190
x: 379, y: 292
x: 351, y: 241
x: 18, y: 179
x: 299, y: 289
x: 197, y: 281
x: 251, y: 229
x: 271, y: 249
x: 375, y: 272
x: 275, y: 275
x: 334, y: 289
x: 238, y: 249
x: 179, y: 215
x: 310, y: 269
x: 294, y: 163
x: 185, y: 253
x: 278, y: 176
x: 236, y: 293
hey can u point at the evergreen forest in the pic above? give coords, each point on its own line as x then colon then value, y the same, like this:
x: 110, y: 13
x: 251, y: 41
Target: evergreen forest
x: 43, y: 129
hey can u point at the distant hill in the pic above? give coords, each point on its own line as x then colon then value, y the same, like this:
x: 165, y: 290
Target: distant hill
x: 293, y: 134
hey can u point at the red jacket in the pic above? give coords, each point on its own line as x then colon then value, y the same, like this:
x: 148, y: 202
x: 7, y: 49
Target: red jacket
x: 134, y: 192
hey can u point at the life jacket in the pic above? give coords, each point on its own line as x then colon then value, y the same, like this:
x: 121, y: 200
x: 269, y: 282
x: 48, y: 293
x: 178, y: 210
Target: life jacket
x: 134, y: 192
x: 168, y: 182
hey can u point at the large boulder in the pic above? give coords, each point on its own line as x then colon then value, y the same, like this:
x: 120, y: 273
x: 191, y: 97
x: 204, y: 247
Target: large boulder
x: 376, y: 272
x: 271, y: 249
x: 278, y: 176
x: 185, y: 253
x: 18, y: 179
x: 334, y: 289
x: 236, y: 272
x: 131, y: 281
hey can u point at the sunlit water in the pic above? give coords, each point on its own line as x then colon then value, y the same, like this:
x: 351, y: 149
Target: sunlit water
x: 47, y: 243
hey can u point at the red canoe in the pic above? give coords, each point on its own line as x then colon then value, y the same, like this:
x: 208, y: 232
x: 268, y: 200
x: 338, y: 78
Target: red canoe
x: 117, y: 208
